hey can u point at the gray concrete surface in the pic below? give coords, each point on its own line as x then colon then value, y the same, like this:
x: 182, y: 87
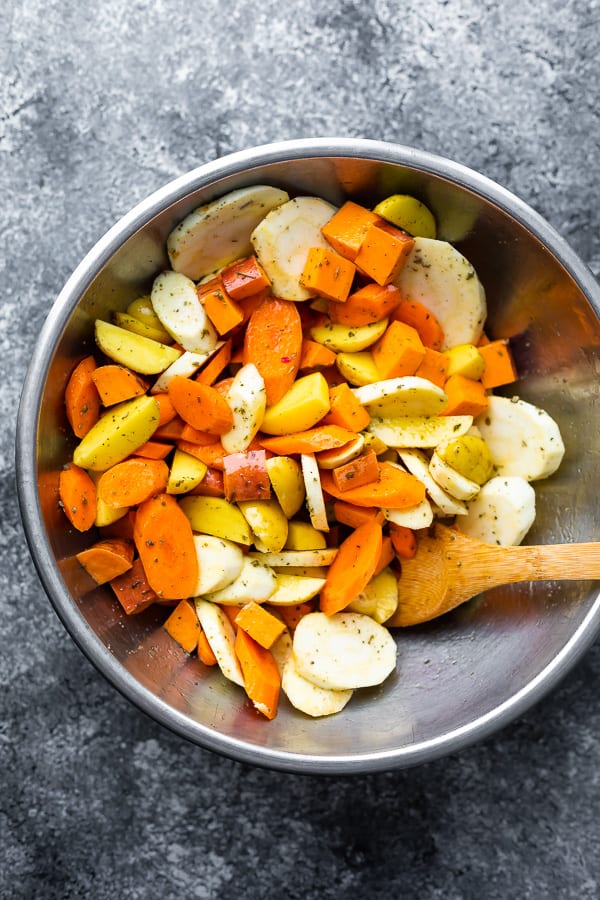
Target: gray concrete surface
x: 99, y: 105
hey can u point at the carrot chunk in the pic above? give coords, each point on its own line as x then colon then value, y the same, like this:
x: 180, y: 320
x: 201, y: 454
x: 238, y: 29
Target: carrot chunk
x: 244, y: 278
x: 404, y: 541
x: 117, y: 383
x: 387, y: 554
x: 399, y: 351
x: 132, y: 481
x: 499, y: 364
x: 349, y: 514
x: 205, y: 651
x: 383, y: 252
x: 345, y: 410
x: 369, y: 304
x: 245, y: 476
x: 215, y: 365
x: 291, y: 615
x: 166, y: 410
x: 352, y: 568
x: 261, y: 673
x: 260, y: 624
x: 77, y: 494
x: 323, y: 437
x: 316, y: 356
x: 328, y: 274
x: 222, y: 310
x: 465, y: 397
x: 81, y: 398
x: 394, y: 489
x: 165, y: 542
x: 132, y: 590
x: 357, y: 472
x: 346, y: 229
x: 411, y: 312
x: 434, y: 367
x: 210, y: 454
x: 154, y: 450
x: 200, y: 405
x: 273, y: 342
x: 107, y: 559
x: 183, y: 626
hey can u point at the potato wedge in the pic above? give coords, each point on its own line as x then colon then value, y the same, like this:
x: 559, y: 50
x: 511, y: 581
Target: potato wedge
x: 186, y: 473
x: 306, y: 402
x: 344, y: 339
x: 268, y: 522
x: 217, y: 516
x: 117, y: 434
x: 291, y: 590
x: 140, y: 354
x: 379, y: 599
x: 303, y: 536
x: 287, y: 482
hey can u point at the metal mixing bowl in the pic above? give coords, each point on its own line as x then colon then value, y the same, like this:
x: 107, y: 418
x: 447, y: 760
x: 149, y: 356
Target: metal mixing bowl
x: 458, y: 679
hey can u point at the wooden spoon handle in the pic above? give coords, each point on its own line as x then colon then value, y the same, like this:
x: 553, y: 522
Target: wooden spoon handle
x: 554, y: 562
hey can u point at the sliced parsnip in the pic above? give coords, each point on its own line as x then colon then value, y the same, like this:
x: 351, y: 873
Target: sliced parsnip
x: 331, y: 459
x: 406, y: 396
x: 186, y: 473
x: 219, y: 232
x: 247, y: 399
x: 268, y: 522
x: 216, y: 516
x: 140, y: 354
x: 524, y: 440
x: 343, y: 651
x: 118, y: 433
x: 220, y: 635
x: 282, y: 650
x: 307, y: 697
x: 256, y: 581
x: 379, y: 599
x: 419, y: 431
x: 439, y: 277
x: 502, y: 513
x: 450, y: 480
x: 219, y: 563
x: 419, y: 516
x: 315, y: 500
x: 282, y: 241
x: 297, y: 558
x: 293, y: 589
x: 186, y: 366
x: 344, y: 339
x: 175, y: 301
x: 418, y: 465
x: 286, y: 480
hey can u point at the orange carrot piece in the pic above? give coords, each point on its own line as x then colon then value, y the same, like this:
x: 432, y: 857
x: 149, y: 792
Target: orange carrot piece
x: 383, y: 252
x: 261, y: 673
x: 328, y: 274
x: 345, y: 409
x: 352, y: 568
x: 394, y: 489
x: 81, y: 398
x: 197, y: 437
x: 273, y: 342
x: 316, y: 356
x: 223, y: 386
x: 465, y: 397
x: 362, y: 470
x: 323, y: 437
x: 347, y: 228
x: 132, y: 590
x: 260, y: 624
x: 333, y: 376
x: 200, y: 405
x: 106, y: 559
x: 205, y: 652
x: 222, y: 310
x: 154, y: 450
x: 183, y: 626
x: 483, y: 340
x: 132, y: 481
x: 172, y: 431
x: 349, y: 514
x: 231, y: 613
x: 116, y: 383
x: 122, y: 528
x: 411, y: 312
x: 404, y: 541
x: 77, y: 493
x: 387, y: 554
x: 244, y: 278
x: 434, y: 367
x: 212, y: 485
x: 165, y: 542
x: 399, y: 351
x: 369, y: 304
x: 499, y: 364
x: 210, y: 454
x: 166, y: 410
x: 245, y: 476
x: 251, y: 303
x: 216, y: 364
x: 291, y: 615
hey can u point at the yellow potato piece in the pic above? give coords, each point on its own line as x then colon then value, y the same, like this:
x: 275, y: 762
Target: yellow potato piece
x: 293, y: 589
x: 465, y: 359
x: 306, y: 402
x: 117, y: 434
x: 130, y: 323
x: 287, y: 482
x: 185, y: 474
x: 380, y: 597
x: 215, y: 515
x: 140, y: 354
x: 358, y: 368
x: 408, y: 213
x: 302, y: 536
x: 268, y: 522
x: 345, y: 339
x: 470, y: 456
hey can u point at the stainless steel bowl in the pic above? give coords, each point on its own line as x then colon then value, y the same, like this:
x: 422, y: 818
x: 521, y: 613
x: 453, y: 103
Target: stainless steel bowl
x: 459, y: 678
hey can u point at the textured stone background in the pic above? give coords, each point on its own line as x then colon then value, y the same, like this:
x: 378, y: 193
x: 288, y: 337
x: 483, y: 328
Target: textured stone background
x: 99, y: 105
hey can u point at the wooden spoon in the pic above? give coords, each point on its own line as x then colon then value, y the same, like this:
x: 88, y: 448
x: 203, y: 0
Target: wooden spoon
x: 450, y: 568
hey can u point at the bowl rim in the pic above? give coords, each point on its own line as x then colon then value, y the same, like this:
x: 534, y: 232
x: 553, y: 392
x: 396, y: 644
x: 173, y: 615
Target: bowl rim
x: 26, y: 464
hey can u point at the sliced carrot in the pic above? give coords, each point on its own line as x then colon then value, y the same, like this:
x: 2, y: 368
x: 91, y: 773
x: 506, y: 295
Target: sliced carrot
x: 197, y: 437
x: 200, y: 405
x: 245, y: 476
x: 77, y: 494
x: 183, y: 626
x: 465, y: 397
x: 273, y: 342
x: 244, y: 278
x: 81, y: 398
x: 349, y: 514
x: 434, y: 367
x: 500, y: 366
x: 333, y: 376
x: 362, y: 470
x: 116, y: 383
x: 211, y: 485
x: 107, y: 559
x: 328, y: 274
x: 399, y: 351
x: 352, y: 568
x: 171, y: 431
x: 205, y: 652
x: 261, y: 673
x: 165, y: 542
x: 222, y: 310
x: 260, y: 624
x: 251, y: 303
x: 132, y: 481
x: 404, y: 541
x: 394, y: 489
x: 210, y: 454
x: 383, y: 252
x: 316, y: 356
x: 154, y: 450
x: 231, y: 613
x: 387, y: 554
x: 369, y: 304
x: 323, y: 437
x: 132, y: 590
x: 166, y: 410
x: 216, y: 364
x: 411, y: 312
x: 347, y: 228
x: 291, y: 615
x: 122, y: 528
x: 345, y: 409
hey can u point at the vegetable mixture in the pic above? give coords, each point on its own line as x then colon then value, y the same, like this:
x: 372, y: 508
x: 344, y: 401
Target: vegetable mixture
x: 264, y: 437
